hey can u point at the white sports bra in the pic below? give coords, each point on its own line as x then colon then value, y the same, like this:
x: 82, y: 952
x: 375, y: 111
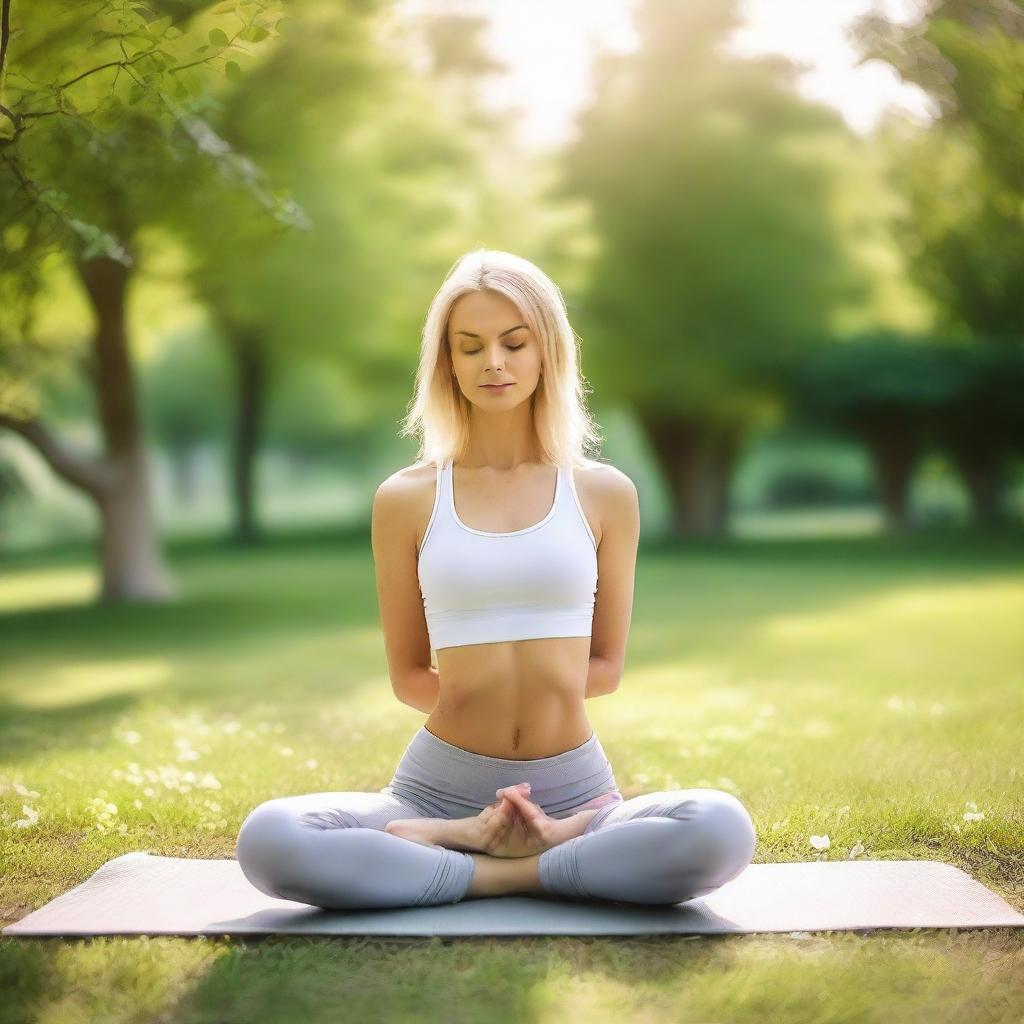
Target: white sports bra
x: 480, y: 587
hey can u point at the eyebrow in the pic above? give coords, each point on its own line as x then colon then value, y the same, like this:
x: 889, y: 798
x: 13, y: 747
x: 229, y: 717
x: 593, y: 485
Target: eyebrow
x: 469, y: 334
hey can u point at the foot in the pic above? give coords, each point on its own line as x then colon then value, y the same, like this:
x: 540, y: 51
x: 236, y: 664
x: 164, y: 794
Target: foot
x: 513, y: 826
x: 439, y: 832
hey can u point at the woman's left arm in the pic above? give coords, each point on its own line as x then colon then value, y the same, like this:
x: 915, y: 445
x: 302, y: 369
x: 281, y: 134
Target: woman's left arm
x: 619, y: 513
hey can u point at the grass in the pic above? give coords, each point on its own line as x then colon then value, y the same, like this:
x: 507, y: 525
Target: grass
x: 870, y: 691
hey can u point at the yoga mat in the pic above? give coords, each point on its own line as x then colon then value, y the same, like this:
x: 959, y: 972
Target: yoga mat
x: 143, y: 894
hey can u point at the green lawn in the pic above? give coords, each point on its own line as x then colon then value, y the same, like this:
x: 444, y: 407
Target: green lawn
x: 864, y: 690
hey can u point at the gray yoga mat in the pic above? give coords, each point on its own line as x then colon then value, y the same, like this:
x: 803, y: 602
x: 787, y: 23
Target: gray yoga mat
x: 144, y: 894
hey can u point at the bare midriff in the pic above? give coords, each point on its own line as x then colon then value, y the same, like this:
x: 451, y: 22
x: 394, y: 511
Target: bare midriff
x: 520, y: 699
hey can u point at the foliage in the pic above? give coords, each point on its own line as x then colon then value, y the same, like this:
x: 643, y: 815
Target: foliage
x: 718, y: 255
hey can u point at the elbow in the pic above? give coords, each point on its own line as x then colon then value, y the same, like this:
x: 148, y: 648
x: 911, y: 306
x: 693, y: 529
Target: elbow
x: 615, y: 671
x: 605, y: 676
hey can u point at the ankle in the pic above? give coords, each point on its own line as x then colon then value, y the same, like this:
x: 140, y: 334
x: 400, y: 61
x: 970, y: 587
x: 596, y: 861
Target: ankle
x: 504, y: 876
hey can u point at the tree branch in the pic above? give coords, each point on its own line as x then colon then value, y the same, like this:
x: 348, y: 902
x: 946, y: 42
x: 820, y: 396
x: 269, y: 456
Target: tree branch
x: 96, y: 476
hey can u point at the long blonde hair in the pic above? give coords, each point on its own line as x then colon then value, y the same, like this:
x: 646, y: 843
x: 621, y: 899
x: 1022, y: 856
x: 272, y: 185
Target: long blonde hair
x: 439, y: 413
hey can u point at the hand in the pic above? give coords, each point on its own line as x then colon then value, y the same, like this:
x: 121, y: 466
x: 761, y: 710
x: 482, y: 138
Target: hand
x: 491, y: 831
x: 512, y: 826
x: 520, y: 828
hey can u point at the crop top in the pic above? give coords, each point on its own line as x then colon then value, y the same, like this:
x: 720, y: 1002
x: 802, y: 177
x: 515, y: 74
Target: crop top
x: 480, y: 587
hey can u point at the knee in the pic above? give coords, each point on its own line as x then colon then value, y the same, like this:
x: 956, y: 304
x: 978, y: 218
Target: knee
x: 730, y: 831
x: 267, y: 846
x: 719, y: 842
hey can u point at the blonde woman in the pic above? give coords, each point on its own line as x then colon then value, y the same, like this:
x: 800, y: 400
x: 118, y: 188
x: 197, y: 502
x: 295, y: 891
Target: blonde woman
x: 512, y: 556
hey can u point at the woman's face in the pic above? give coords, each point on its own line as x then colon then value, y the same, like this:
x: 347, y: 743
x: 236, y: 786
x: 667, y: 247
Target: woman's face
x: 490, y: 343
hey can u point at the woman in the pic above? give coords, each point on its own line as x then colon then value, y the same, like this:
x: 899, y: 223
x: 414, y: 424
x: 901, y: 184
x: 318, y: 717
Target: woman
x: 488, y: 551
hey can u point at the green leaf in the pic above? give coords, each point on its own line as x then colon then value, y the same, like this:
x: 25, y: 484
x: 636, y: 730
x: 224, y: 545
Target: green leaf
x: 233, y: 71
x: 253, y: 33
x: 218, y: 37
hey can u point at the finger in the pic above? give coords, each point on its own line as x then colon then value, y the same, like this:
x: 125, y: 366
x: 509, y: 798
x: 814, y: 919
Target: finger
x: 520, y: 786
x: 524, y: 805
x: 504, y: 815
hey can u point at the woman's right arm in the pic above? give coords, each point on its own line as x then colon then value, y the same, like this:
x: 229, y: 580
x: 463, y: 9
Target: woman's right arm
x: 414, y: 681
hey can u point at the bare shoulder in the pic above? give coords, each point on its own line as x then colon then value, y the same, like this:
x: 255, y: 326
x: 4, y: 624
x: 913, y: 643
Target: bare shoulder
x: 604, y: 481
x: 403, y: 501
x: 608, y: 495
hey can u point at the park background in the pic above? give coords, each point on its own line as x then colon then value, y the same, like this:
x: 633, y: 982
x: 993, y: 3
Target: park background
x: 789, y: 238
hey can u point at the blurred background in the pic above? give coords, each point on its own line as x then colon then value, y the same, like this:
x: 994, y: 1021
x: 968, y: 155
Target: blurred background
x: 788, y: 233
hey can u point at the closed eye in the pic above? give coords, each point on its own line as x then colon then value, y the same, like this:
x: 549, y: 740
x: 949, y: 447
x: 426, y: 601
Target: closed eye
x: 511, y: 348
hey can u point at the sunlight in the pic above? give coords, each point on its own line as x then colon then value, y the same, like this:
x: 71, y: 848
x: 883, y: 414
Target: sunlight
x: 87, y: 682
x: 46, y: 588
x: 549, y: 49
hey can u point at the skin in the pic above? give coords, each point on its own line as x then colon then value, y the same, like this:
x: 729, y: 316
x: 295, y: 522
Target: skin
x: 515, y: 699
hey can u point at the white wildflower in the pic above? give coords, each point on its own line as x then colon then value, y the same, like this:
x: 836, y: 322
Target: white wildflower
x: 31, y: 817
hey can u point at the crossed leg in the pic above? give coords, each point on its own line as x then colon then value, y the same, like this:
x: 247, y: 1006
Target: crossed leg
x: 662, y: 847
x: 331, y: 850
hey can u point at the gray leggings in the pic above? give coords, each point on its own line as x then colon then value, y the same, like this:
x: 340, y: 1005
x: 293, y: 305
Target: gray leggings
x: 331, y: 850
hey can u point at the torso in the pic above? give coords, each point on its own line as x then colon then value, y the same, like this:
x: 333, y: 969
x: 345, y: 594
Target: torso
x: 519, y: 699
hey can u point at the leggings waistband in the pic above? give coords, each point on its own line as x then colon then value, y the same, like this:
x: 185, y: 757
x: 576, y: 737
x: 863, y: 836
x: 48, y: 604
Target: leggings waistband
x: 449, y: 781
x: 425, y: 738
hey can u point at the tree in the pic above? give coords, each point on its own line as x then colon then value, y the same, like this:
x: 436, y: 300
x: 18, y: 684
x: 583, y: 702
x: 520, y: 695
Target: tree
x: 963, y: 179
x: 89, y: 156
x: 718, y: 257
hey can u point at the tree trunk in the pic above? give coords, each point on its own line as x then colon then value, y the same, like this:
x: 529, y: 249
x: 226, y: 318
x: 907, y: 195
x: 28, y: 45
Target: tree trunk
x: 983, y: 468
x: 696, y: 461
x: 132, y: 567
x: 724, y: 455
x: 251, y: 383
x: 893, y: 454
x: 131, y: 559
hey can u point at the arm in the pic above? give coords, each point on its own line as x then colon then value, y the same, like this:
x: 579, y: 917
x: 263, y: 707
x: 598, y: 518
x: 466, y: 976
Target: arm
x: 616, y: 496
x: 414, y: 680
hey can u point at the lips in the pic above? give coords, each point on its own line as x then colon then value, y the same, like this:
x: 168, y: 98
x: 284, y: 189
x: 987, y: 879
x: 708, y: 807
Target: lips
x: 496, y: 387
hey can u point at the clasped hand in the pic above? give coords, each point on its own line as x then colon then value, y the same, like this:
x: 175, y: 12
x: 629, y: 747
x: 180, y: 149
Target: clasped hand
x: 514, y: 826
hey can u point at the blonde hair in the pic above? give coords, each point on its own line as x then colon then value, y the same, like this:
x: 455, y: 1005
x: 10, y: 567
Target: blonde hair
x: 440, y: 414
